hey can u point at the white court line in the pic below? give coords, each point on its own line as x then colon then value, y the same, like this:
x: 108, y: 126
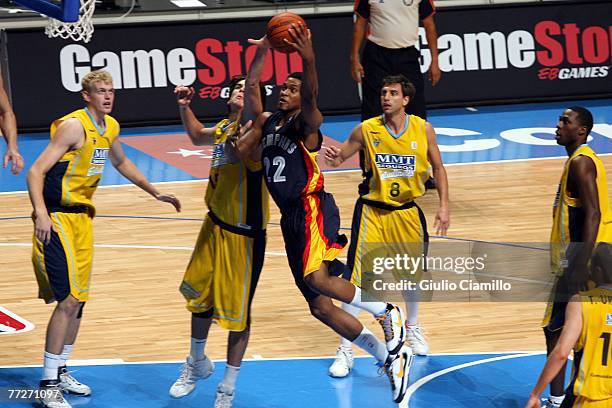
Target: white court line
x: 422, y: 381
x: 114, y: 246
x: 158, y: 183
x: 118, y: 361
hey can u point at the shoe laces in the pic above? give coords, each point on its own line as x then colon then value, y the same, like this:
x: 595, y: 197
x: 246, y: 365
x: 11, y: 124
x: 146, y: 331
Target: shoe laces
x: 66, y: 376
x: 343, y: 354
x: 385, y: 322
x: 186, y: 374
x: 416, y: 333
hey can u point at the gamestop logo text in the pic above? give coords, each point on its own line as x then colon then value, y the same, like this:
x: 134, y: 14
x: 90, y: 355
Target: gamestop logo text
x: 210, y: 65
x: 565, y: 51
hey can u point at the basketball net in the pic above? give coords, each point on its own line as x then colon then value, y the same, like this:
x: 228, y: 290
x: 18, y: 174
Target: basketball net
x: 82, y: 30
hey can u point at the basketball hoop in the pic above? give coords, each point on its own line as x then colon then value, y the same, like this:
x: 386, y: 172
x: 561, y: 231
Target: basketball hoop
x: 82, y: 30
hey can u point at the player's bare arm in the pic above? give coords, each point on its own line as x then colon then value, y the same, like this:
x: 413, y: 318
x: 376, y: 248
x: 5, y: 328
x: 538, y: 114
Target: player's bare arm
x: 197, y: 132
x: 70, y: 135
x: 431, y: 34
x: 8, y: 125
x: 246, y: 143
x: 335, y: 156
x: 442, y: 221
x: 302, y: 42
x: 131, y: 172
x: 558, y: 357
x: 582, y: 183
x: 252, y: 92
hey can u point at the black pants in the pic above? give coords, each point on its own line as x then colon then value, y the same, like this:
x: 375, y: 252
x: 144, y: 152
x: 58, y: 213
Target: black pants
x: 378, y: 62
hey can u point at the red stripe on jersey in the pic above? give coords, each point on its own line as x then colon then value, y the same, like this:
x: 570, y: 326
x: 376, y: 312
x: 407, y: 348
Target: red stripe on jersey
x: 307, y: 235
x: 309, y: 169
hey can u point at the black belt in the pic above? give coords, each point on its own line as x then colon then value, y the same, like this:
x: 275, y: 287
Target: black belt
x: 251, y: 233
x: 387, y: 207
x: 72, y: 209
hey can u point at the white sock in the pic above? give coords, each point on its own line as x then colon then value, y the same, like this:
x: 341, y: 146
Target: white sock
x: 229, y: 380
x: 413, y: 313
x: 197, y: 348
x: 367, y: 341
x: 376, y: 308
x: 556, y: 400
x: 353, y: 311
x: 51, y: 364
x: 66, y: 353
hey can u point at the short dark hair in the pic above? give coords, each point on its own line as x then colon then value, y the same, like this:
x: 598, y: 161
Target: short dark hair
x: 407, y: 86
x: 237, y: 78
x: 602, y: 258
x: 585, y: 117
x: 295, y: 75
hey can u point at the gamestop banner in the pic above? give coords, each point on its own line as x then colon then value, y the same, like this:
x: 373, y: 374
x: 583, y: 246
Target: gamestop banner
x: 521, y: 52
x: 148, y: 61
x: 489, y: 54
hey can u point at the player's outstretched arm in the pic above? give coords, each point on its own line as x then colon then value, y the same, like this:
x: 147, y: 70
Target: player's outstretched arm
x: 302, y: 42
x: 439, y: 173
x: 8, y: 125
x: 131, y: 172
x: 197, y: 132
x: 558, y: 357
x: 252, y: 94
x: 335, y: 156
x: 69, y: 136
x: 246, y: 143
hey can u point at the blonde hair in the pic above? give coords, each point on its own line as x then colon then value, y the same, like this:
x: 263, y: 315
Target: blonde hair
x: 95, y: 76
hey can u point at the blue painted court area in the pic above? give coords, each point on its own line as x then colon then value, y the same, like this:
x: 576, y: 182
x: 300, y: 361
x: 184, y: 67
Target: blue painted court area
x: 469, y: 380
x: 466, y: 135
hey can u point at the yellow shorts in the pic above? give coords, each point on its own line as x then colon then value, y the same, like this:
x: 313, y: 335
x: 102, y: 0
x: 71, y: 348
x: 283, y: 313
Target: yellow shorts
x: 223, y: 272
x: 63, y: 267
x: 402, y: 231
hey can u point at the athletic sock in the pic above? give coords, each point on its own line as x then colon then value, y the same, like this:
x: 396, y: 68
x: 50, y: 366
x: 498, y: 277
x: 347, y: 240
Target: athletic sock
x: 229, y: 379
x: 367, y: 341
x: 376, y: 308
x: 66, y: 353
x: 197, y: 348
x: 51, y: 365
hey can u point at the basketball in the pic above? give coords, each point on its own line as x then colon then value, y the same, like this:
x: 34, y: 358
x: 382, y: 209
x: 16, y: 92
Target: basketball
x: 277, y: 30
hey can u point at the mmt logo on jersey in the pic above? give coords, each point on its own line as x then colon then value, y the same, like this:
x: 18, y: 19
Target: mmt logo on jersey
x: 396, y: 165
x: 99, y: 156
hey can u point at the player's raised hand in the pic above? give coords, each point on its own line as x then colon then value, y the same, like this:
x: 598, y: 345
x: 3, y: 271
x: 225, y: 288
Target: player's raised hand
x: 184, y: 95
x: 263, y: 42
x: 12, y: 155
x: 442, y: 221
x: 302, y: 40
x: 170, y: 198
x: 332, y: 156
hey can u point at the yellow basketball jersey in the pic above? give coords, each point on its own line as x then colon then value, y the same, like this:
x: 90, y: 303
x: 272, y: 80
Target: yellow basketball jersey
x: 75, y: 177
x: 395, y: 166
x: 568, y: 217
x: 592, y: 369
x: 236, y: 192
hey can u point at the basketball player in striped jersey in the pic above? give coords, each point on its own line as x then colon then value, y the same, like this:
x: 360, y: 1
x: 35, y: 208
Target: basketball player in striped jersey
x: 61, y: 183
x: 397, y: 149
x: 288, y: 142
x: 220, y: 280
x: 588, y: 330
x: 581, y: 217
x: 8, y: 125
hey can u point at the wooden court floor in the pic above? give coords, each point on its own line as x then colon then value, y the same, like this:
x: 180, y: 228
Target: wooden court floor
x: 137, y: 314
